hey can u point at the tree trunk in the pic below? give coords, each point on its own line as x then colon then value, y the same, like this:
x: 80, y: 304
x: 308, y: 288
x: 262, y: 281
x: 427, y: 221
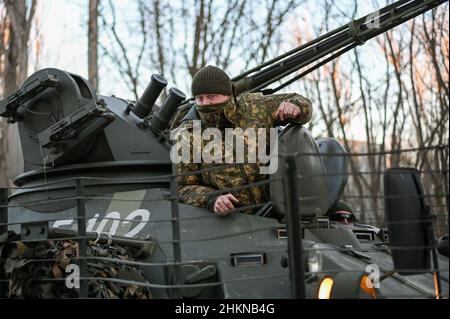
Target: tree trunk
x: 19, y: 14
x: 93, y: 43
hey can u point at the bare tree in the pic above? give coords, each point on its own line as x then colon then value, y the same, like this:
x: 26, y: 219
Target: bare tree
x: 21, y: 14
x: 5, y: 27
x: 176, y: 39
x: 117, y: 51
x: 93, y: 43
x: 16, y: 20
x: 398, y: 92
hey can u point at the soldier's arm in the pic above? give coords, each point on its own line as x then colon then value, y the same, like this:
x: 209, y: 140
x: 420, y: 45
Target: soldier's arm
x: 304, y: 104
x: 190, y: 188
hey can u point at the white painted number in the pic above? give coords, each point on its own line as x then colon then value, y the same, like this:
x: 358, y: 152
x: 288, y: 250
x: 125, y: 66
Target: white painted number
x: 145, y: 216
x: 114, y: 217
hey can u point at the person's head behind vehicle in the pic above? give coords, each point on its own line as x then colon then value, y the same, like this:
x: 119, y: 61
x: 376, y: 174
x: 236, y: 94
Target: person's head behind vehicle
x: 342, y: 212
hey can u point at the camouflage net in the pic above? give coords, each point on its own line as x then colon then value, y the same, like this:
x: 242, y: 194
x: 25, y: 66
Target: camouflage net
x: 28, y: 277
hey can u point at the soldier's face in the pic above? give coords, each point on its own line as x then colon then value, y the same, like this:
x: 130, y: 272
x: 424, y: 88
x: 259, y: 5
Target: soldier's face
x: 209, y: 99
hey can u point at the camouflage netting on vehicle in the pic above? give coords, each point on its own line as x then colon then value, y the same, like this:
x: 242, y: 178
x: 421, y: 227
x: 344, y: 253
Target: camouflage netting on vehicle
x: 38, y: 270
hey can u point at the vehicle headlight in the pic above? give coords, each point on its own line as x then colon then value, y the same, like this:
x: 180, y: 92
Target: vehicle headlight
x: 314, y: 259
x: 325, y: 288
x: 346, y: 285
x: 367, y: 287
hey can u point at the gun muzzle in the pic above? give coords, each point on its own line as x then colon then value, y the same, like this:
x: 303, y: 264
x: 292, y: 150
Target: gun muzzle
x: 160, y: 121
x: 145, y: 104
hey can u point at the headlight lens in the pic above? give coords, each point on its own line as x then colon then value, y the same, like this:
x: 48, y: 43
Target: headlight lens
x: 367, y: 287
x: 325, y: 287
x: 315, y: 259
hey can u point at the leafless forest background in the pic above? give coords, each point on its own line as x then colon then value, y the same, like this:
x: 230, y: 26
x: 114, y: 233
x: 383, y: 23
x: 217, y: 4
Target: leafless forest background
x: 395, y: 87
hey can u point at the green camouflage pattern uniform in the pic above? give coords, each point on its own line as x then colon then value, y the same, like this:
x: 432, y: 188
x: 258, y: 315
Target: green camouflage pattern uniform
x: 253, y: 110
x: 179, y: 115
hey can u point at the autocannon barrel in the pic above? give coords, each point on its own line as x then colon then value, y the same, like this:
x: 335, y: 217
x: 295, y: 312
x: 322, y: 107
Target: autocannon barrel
x: 144, y: 106
x: 161, y: 120
x: 327, y: 47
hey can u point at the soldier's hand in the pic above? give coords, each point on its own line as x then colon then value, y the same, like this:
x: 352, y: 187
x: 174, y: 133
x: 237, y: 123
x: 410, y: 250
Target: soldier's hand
x: 224, y: 204
x: 287, y: 110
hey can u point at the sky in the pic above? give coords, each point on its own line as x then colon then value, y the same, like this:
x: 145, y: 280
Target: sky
x: 63, y: 33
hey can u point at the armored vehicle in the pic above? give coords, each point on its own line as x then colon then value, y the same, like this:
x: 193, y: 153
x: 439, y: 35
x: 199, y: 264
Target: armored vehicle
x: 98, y: 178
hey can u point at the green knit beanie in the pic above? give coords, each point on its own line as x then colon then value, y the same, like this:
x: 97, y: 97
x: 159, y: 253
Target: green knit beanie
x: 341, y: 205
x: 211, y: 80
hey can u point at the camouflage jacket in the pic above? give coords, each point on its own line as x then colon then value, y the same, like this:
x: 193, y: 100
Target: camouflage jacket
x: 253, y: 110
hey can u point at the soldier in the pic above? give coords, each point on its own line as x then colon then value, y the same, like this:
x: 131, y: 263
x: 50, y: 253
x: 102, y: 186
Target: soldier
x: 342, y: 212
x: 215, y: 106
